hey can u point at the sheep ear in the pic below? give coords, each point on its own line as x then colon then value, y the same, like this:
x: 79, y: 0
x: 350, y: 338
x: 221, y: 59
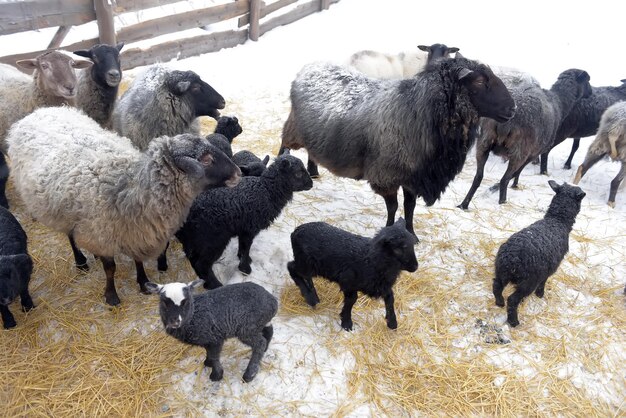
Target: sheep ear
x: 83, y: 53
x: 623, y: 80
x: 580, y: 194
x: 245, y: 170
x: 284, y: 164
x: 190, y: 166
x: 181, y: 87
x: 401, y: 222
x: 30, y: 64
x: 555, y: 186
x: 285, y: 151
x: 82, y: 64
x: 453, y: 50
x: 459, y: 55
x: 266, y: 160
x: 119, y: 46
x: 195, y: 284
x: 464, y: 73
x: 424, y: 48
x: 583, y: 76
x: 153, y: 287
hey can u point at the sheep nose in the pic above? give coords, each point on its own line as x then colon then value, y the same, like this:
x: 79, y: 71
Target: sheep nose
x: 70, y: 90
x: 113, y: 74
x: 221, y: 104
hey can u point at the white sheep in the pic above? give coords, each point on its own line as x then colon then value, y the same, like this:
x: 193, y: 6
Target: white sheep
x: 95, y: 186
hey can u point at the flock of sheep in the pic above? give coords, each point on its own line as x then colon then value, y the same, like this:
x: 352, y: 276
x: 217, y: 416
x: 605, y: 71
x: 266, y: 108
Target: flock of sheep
x: 139, y: 174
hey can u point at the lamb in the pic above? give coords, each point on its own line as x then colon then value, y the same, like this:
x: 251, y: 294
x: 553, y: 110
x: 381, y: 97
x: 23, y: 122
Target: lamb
x: 109, y: 197
x: 402, y: 65
x: 531, y: 131
x: 356, y: 263
x: 413, y: 133
x: 227, y: 129
x: 250, y: 164
x: 16, y: 267
x: 242, y: 211
x: 164, y: 102
x: 610, y: 140
x: 97, y: 88
x: 242, y: 310
x: 530, y: 256
x: 584, y: 118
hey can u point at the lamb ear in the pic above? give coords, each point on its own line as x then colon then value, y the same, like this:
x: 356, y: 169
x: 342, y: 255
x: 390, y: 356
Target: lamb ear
x: 30, y: 64
x: 82, y: 64
x: 266, y: 160
x: 285, y: 151
x: 245, y: 170
x: 190, y: 166
x: 453, y: 50
x: 83, y: 53
x: 119, y: 46
x: 458, y: 55
x: 284, y: 164
x: 554, y: 185
x: 153, y: 287
x: 400, y: 222
x: 583, y: 76
x: 424, y: 48
x: 196, y: 283
x: 464, y: 72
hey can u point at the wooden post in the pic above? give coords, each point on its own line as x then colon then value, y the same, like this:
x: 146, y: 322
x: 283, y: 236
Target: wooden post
x: 324, y: 4
x: 59, y: 36
x: 104, y: 15
x: 255, y: 16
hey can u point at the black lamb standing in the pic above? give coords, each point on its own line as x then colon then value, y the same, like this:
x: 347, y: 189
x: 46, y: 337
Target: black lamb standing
x: 533, y: 254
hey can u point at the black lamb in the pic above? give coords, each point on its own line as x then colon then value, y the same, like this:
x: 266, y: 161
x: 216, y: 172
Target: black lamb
x: 16, y: 267
x: 250, y: 164
x: 356, y: 263
x: 243, y: 211
x: 413, y: 133
x: 227, y: 129
x: 533, y: 254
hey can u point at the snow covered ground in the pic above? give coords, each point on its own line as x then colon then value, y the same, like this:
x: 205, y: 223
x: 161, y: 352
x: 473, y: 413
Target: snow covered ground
x: 570, y: 349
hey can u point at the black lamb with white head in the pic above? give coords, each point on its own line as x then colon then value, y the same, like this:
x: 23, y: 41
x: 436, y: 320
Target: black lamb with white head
x: 242, y: 310
x: 356, y: 263
x: 533, y: 254
x: 218, y: 215
x: 16, y: 267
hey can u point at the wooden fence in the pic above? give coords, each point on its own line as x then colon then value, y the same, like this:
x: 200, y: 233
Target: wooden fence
x: 27, y: 15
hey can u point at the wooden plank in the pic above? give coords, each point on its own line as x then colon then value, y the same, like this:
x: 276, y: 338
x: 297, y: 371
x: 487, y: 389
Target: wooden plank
x: 182, y: 21
x: 267, y: 9
x: 255, y: 16
x: 28, y: 15
x: 106, y: 27
x: 59, y: 36
x: 125, y: 6
x: 85, y: 44
x: 182, y: 48
x: 291, y: 16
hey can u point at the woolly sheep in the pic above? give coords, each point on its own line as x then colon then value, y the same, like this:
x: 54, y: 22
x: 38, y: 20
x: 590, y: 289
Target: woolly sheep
x: 530, y: 256
x: 584, y: 118
x: 610, y: 140
x: 413, y: 133
x: 243, y: 211
x: 164, y: 102
x: 16, y: 267
x: 110, y: 198
x: 250, y: 164
x: 531, y: 131
x: 402, y: 65
x: 356, y: 263
x: 98, y: 86
x: 242, y: 310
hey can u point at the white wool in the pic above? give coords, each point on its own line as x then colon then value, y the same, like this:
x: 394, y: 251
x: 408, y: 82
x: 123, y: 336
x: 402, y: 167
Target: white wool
x: 175, y: 292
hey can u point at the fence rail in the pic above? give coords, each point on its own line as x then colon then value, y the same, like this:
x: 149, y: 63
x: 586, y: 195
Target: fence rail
x: 27, y: 15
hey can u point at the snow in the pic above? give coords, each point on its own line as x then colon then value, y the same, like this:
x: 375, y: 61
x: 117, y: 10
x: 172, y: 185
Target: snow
x: 541, y: 38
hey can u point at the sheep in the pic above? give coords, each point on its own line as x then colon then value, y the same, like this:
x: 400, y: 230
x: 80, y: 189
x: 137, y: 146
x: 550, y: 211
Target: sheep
x: 514, y: 78
x: 402, y: 65
x: 356, y: 263
x: 413, y: 133
x: 530, y: 256
x: 242, y: 211
x: 584, y: 118
x: 250, y: 164
x: 109, y: 197
x: 610, y: 140
x: 227, y: 129
x: 97, y: 88
x: 242, y: 310
x: 164, y: 102
x: 531, y: 131
x: 16, y: 266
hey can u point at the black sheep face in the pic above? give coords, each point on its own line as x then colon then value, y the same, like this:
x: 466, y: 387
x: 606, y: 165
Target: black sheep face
x: 399, y: 244
x: 176, y: 302
x: 295, y: 170
x: 202, y: 97
x: 106, y: 67
x: 10, y: 277
x: 488, y: 93
x: 437, y: 51
x: 229, y: 127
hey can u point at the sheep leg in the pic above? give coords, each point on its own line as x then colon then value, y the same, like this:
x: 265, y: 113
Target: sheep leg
x: 245, y: 242
x: 79, y: 257
x: 615, y: 184
x: 204, y: 269
x: 522, y: 290
x: 212, y: 360
x: 311, y: 167
x: 258, y: 343
x: 142, y: 278
x: 390, y: 313
x: 110, y: 294
x: 543, y: 167
x: 589, y: 162
x: 498, y: 287
x: 162, y: 260
x: 7, y: 317
x: 26, y: 300
x: 391, y: 201
x: 540, y: 290
x: 481, y: 160
x: 575, y: 145
x: 349, y: 299
x: 511, y: 169
x: 409, y: 207
x: 268, y: 333
x: 304, y: 283
x: 518, y: 172
x: 613, y: 138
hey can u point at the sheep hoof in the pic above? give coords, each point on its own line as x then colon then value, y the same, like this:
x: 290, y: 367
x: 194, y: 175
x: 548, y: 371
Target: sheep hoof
x: 216, y: 375
x: 539, y: 293
x: 500, y: 303
x: 567, y: 166
x: 27, y: 308
x: 513, y: 322
x: 245, y: 269
x: 611, y: 204
x: 347, y: 325
x: 247, y: 377
x: 463, y: 206
x: 83, y: 267
x: 112, y: 300
x: 392, y: 324
x: 494, y: 188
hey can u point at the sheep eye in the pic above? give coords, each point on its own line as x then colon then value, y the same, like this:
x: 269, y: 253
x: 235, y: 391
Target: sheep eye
x: 45, y: 66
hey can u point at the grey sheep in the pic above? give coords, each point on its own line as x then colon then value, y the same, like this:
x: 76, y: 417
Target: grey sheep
x: 250, y: 164
x: 531, y: 131
x: 16, y: 266
x: 109, y: 197
x: 412, y: 133
x: 530, y: 256
x: 164, y: 102
x: 584, y: 118
x: 242, y: 310
x: 610, y: 140
x: 98, y: 86
x: 355, y: 263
